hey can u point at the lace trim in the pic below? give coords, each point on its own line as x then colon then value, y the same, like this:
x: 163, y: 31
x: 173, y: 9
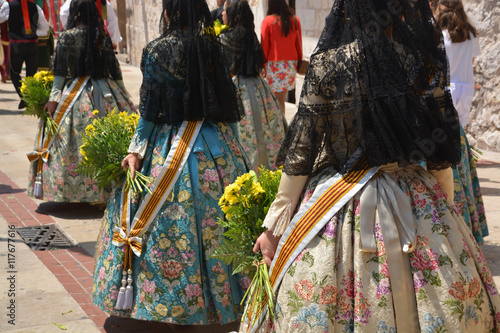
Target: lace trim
x: 278, y: 218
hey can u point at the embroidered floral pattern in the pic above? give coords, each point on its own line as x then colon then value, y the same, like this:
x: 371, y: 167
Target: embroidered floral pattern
x: 333, y: 282
x: 60, y: 181
x: 175, y: 280
x: 281, y: 75
x: 262, y: 130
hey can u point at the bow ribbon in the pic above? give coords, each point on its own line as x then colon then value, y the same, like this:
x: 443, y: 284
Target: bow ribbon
x: 41, y: 156
x: 133, y: 245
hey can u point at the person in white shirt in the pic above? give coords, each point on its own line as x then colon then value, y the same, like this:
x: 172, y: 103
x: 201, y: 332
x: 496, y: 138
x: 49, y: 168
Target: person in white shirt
x: 110, y: 17
x: 26, y: 22
x: 462, y: 46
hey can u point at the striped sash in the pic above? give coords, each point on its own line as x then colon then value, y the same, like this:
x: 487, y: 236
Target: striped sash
x: 326, y: 201
x: 129, y: 234
x: 45, y: 140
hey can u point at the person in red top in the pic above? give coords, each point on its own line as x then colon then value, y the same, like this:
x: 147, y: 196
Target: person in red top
x: 281, y: 39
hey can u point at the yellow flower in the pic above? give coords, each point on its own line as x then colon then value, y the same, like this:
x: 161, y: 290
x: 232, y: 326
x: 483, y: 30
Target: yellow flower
x: 225, y: 209
x: 184, y: 195
x: 89, y: 130
x: 181, y: 244
x: 177, y: 310
x: 95, y: 112
x: 195, y: 279
x: 164, y: 243
x: 221, y: 278
x: 161, y: 310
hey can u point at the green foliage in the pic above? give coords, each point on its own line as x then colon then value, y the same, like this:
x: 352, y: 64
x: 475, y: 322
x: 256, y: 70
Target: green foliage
x: 105, y: 145
x: 35, y: 92
x: 245, y: 203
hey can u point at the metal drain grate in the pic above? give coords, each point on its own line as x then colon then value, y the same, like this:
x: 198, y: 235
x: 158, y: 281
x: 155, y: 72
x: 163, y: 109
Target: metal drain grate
x: 44, y: 238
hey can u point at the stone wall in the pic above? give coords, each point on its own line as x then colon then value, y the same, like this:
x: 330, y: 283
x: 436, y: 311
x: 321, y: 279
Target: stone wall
x: 484, y: 127
x: 142, y: 22
x: 142, y: 26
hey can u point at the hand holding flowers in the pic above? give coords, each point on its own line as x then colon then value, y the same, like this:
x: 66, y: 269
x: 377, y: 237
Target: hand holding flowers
x: 35, y: 92
x: 245, y: 204
x: 105, y: 144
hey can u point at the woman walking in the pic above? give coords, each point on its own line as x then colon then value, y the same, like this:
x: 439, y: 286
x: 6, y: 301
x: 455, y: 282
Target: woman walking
x: 262, y: 129
x: 281, y: 37
x: 157, y: 266
x: 462, y: 45
x: 87, y: 77
x: 375, y: 244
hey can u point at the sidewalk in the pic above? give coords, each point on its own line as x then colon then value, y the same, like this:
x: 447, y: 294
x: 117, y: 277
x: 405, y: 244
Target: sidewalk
x: 55, y: 286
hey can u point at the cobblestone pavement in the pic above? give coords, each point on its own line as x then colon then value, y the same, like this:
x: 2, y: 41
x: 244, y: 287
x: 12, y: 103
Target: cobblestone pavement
x: 50, y: 288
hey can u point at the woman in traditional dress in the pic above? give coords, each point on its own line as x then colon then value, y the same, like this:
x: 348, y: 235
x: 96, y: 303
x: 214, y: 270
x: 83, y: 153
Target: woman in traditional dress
x: 170, y: 274
x: 281, y: 37
x: 462, y: 46
x: 262, y: 129
x: 87, y: 77
x: 376, y: 244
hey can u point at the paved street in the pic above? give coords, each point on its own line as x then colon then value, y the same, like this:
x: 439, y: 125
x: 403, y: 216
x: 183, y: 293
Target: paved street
x: 53, y: 287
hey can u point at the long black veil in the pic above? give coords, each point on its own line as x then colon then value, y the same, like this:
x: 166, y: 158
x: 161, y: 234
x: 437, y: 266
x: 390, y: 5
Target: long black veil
x: 194, y: 56
x: 377, y: 82
x: 85, y: 48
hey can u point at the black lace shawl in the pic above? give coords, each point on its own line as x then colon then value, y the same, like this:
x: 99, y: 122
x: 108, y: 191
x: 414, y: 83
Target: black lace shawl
x: 242, y: 49
x: 195, y: 83
x: 377, y: 83
x: 85, y: 47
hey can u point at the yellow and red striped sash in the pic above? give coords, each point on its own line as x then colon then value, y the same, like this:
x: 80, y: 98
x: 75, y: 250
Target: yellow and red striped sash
x: 26, y: 17
x: 325, y: 202
x: 44, y: 140
x: 129, y: 233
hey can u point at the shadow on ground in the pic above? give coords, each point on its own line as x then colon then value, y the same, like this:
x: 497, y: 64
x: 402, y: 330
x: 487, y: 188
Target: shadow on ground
x: 69, y: 210
x: 116, y: 324
x: 8, y: 189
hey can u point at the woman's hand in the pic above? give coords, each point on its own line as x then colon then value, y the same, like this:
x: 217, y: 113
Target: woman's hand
x: 133, y: 162
x: 51, y: 108
x: 267, y: 245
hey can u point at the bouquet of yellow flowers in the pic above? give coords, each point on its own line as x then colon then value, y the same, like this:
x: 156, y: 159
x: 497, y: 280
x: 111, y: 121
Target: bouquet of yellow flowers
x: 216, y: 29
x: 105, y: 145
x: 245, y: 204
x: 35, y: 92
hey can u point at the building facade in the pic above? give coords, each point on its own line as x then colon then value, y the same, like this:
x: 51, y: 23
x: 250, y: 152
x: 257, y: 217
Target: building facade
x: 139, y: 24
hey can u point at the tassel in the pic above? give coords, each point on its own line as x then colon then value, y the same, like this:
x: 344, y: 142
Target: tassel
x: 129, y: 293
x: 121, y: 295
x: 37, y: 188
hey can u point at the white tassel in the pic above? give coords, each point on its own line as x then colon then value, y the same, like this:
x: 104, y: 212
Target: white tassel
x: 121, y: 294
x: 37, y: 188
x: 129, y: 293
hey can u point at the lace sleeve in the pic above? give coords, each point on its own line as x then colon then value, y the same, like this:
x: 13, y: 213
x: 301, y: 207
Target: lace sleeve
x: 139, y: 142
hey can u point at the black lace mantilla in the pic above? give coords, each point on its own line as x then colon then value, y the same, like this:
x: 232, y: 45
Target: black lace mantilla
x: 377, y: 83
x: 85, y: 48
x: 184, y: 75
x: 242, y: 49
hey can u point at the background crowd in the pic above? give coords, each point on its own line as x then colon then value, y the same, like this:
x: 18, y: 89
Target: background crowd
x: 371, y: 99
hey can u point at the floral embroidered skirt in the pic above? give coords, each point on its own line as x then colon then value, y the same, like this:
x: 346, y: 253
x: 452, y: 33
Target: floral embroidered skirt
x: 60, y: 181
x: 281, y: 75
x: 175, y: 280
x: 262, y: 130
x: 468, y: 198
x: 332, y: 286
